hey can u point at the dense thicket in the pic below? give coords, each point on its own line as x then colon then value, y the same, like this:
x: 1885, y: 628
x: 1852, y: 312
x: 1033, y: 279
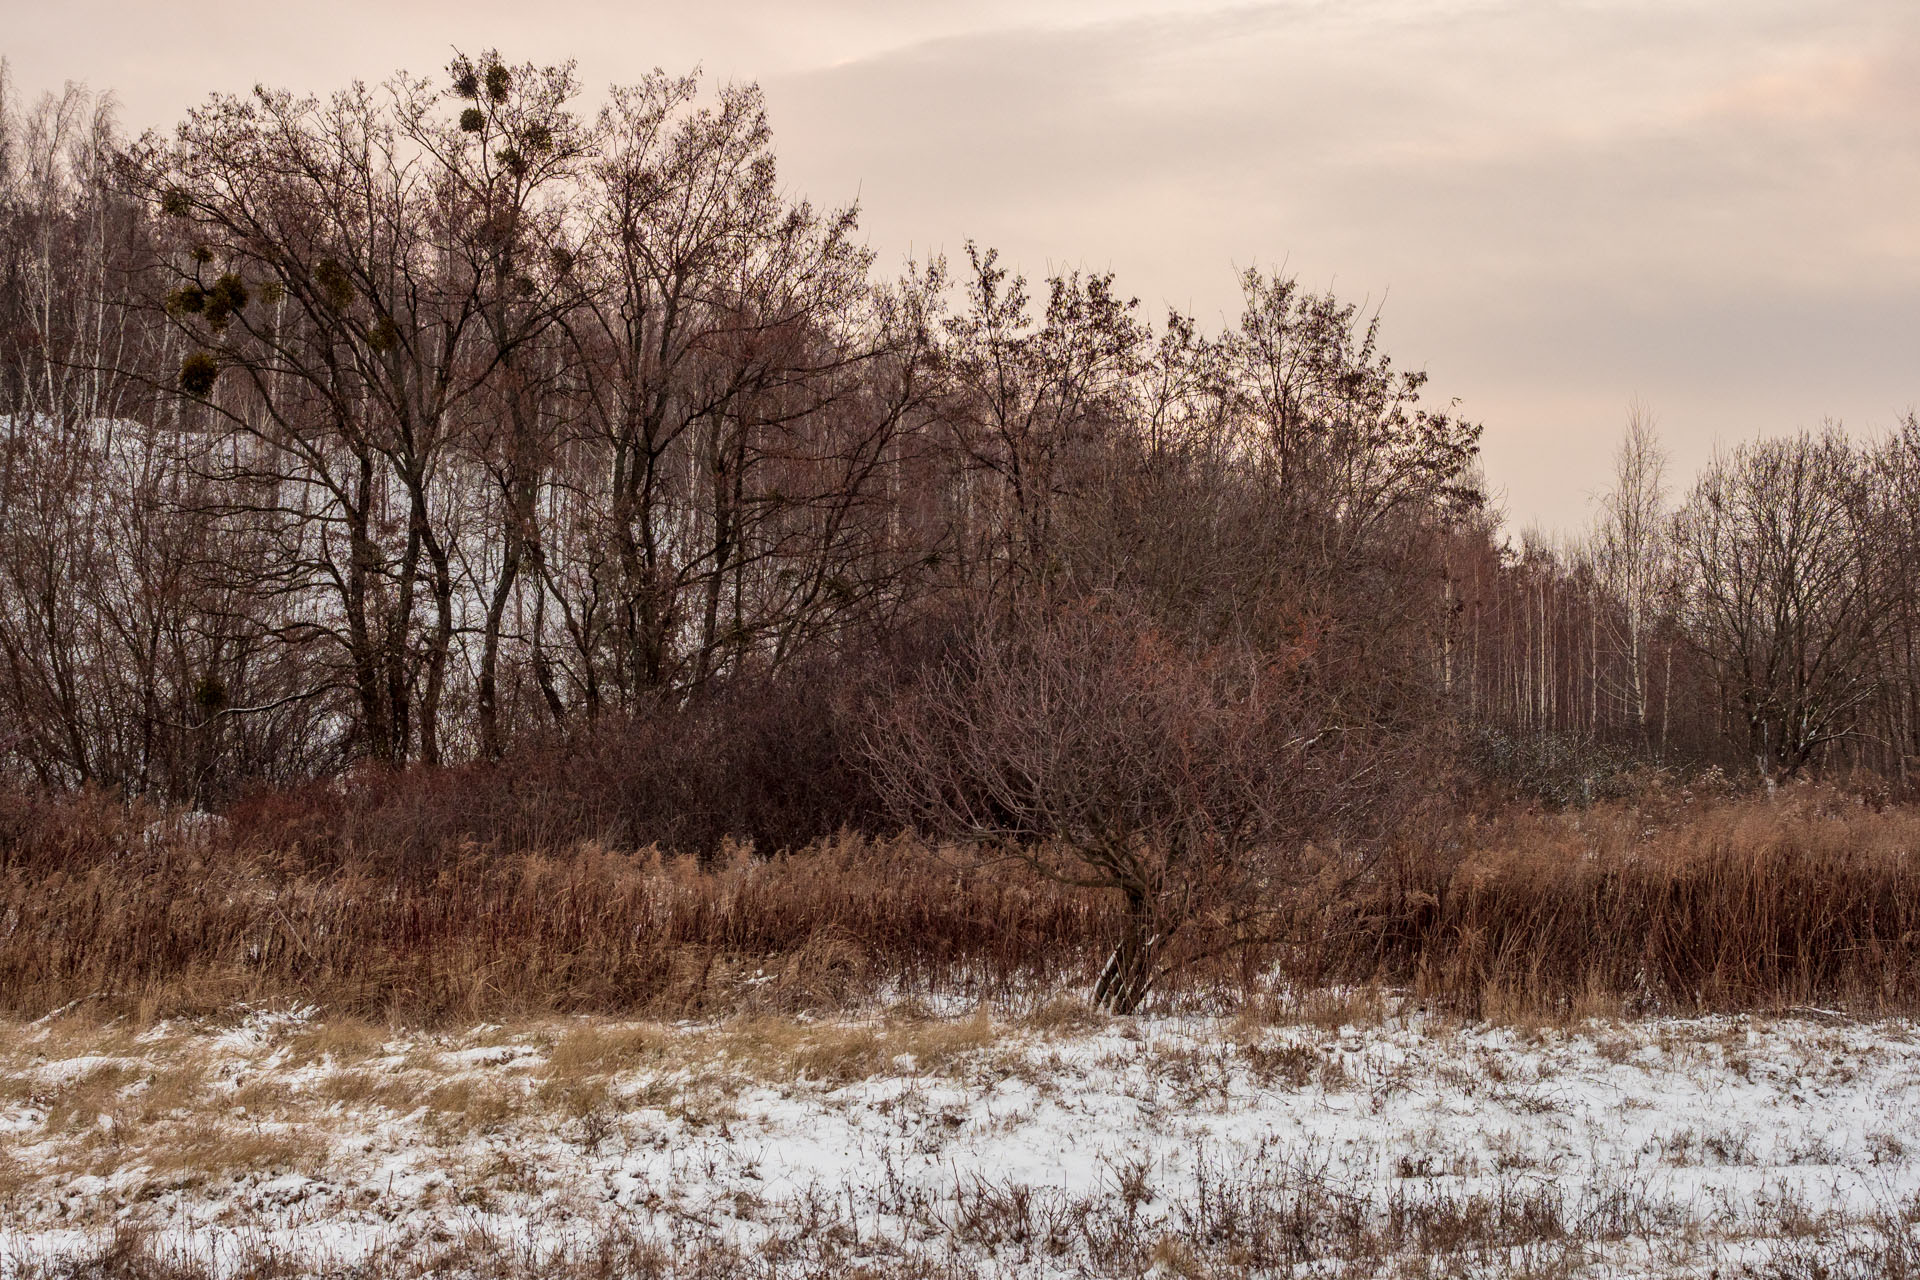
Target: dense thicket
x: 442, y: 421
x: 413, y: 424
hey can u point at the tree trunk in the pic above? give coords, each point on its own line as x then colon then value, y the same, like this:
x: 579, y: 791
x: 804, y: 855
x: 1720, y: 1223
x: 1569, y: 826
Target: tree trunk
x: 1129, y: 972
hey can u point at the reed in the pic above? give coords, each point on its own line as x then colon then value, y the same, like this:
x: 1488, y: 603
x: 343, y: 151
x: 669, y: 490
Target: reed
x: 1663, y: 903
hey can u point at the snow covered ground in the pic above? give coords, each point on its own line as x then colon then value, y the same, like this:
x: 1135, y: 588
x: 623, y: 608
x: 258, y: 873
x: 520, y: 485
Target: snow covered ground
x: 1046, y: 1144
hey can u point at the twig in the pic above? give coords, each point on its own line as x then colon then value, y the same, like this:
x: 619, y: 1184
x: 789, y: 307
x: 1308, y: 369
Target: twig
x: 66, y: 1008
x: 1811, y: 1011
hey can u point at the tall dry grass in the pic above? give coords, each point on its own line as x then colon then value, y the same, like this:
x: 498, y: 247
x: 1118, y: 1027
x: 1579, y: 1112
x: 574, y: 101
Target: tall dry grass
x: 98, y: 904
x: 1662, y: 902
x: 1668, y: 902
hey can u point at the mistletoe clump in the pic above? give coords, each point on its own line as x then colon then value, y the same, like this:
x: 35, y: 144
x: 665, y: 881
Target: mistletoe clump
x: 336, y: 286
x: 385, y: 335
x: 197, y: 373
x: 187, y: 300
x: 227, y: 297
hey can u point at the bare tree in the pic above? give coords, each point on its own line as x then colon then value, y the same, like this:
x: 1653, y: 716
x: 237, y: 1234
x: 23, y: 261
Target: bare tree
x: 368, y: 277
x: 1630, y: 553
x: 1108, y: 754
x: 1895, y: 474
x: 114, y: 649
x: 1342, y: 430
x: 1026, y: 404
x: 1782, y: 584
x: 744, y: 388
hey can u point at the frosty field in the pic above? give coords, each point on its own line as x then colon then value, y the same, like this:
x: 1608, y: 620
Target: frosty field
x: 1343, y: 1140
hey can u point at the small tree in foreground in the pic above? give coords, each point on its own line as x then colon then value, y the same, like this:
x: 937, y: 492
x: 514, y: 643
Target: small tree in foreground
x: 1107, y: 755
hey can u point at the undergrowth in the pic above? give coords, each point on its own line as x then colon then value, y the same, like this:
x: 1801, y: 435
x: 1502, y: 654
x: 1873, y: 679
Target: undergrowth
x: 1665, y: 902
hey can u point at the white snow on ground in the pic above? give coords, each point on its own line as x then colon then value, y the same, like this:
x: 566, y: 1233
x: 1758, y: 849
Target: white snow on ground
x: 1086, y: 1147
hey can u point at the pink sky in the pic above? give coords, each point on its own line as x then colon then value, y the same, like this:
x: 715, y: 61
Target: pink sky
x: 1710, y: 205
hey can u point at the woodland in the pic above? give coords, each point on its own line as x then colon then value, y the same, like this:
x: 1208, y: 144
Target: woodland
x: 463, y: 551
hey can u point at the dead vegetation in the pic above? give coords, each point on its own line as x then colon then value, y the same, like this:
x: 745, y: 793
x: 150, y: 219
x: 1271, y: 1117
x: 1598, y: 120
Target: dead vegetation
x: 508, y: 1140
x: 1809, y: 899
x: 92, y: 913
x: 1671, y: 901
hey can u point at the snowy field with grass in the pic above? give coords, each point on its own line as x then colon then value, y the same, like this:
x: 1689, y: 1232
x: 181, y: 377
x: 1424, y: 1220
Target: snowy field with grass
x: 1340, y: 1137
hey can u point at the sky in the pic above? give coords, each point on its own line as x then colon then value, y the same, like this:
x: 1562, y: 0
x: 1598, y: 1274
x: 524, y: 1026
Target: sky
x: 1710, y: 207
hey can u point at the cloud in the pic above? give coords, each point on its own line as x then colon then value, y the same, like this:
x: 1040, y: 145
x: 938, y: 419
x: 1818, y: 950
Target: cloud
x: 1563, y: 203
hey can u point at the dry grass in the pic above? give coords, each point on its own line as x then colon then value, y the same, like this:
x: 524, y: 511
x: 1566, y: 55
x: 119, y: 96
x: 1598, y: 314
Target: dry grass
x: 598, y: 1049
x: 781, y: 1049
x: 209, y: 1150
x: 358, y: 1089
x: 769, y: 1049
x: 338, y: 1041
x: 1669, y: 902
x: 165, y: 934
x: 1809, y: 899
x: 476, y: 1107
x: 78, y: 1105
x: 1251, y: 1224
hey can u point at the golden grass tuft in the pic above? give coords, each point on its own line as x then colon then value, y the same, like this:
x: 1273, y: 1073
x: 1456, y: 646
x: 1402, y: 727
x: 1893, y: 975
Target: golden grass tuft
x: 214, y: 1149
x: 591, y: 1049
x: 339, y: 1041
